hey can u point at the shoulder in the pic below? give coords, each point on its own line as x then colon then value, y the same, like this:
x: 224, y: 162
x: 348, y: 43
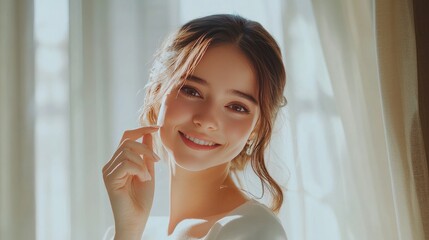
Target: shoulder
x: 252, y: 220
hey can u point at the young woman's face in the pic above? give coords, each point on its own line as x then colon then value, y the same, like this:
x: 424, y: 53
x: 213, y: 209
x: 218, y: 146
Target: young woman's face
x: 208, y: 120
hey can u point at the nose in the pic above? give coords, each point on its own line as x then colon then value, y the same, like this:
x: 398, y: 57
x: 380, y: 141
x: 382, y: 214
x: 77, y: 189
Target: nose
x: 206, y: 118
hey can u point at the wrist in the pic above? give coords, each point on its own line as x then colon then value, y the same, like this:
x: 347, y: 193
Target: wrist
x: 128, y: 235
x: 129, y: 231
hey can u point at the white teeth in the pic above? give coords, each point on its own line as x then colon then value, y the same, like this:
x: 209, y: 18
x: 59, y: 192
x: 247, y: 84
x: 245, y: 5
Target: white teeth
x: 198, y: 141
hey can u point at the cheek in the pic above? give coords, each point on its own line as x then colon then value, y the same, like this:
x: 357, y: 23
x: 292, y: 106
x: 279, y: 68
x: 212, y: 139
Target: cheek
x: 238, y: 132
x: 171, y: 114
x: 171, y: 109
x: 177, y: 110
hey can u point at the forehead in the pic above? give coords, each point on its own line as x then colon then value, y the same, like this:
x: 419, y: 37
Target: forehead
x: 226, y: 66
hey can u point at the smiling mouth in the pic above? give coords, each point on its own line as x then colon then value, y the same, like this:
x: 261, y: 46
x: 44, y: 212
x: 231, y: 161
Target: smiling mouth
x: 196, y: 143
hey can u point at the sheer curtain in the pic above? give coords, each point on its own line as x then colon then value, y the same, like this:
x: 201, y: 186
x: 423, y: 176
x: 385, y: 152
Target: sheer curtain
x: 356, y: 107
x: 396, y: 48
x: 17, y: 189
x: 353, y: 105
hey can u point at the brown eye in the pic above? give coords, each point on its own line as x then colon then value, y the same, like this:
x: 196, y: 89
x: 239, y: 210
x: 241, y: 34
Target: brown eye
x: 190, y: 91
x: 238, y: 108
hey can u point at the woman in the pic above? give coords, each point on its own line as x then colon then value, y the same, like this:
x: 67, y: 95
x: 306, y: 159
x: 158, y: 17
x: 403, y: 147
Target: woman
x: 213, y: 95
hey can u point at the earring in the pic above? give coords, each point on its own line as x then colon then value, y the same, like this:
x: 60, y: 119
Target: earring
x: 249, y: 148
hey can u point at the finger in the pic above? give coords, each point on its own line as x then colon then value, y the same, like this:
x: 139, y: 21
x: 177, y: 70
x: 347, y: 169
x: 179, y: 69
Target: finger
x: 140, y: 148
x: 147, y: 141
x: 133, y: 146
x: 132, y: 135
x: 117, y: 178
x: 126, y: 154
x: 138, y: 133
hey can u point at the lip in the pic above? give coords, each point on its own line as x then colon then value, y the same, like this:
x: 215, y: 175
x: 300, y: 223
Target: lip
x: 195, y: 146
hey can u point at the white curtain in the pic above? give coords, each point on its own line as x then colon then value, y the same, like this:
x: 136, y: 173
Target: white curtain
x: 17, y: 189
x: 347, y: 146
x: 396, y: 48
x: 351, y: 118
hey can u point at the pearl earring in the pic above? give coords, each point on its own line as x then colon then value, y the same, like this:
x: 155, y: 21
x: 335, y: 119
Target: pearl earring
x: 249, y: 148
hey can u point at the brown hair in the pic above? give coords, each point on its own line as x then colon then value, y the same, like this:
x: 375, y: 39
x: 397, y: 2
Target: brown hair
x: 184, y: 49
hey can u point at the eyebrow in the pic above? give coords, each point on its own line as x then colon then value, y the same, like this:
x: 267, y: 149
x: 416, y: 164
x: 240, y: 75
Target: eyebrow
x: 233, y: 91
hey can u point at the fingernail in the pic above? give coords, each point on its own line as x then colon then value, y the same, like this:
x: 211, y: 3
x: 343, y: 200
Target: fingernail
x: 156, y: 157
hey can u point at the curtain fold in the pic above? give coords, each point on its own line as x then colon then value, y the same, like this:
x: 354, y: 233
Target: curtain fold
x: 370, y: 60
x: 356, y: 143
x: 348, y: 42
x: 340, y: 160
x: 89, y: 117
x: 421, y: 18
x: 396, y: 48
x: 17, y: 188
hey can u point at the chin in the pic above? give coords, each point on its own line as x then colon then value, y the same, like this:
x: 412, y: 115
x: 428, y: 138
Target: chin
x: 191, y: 164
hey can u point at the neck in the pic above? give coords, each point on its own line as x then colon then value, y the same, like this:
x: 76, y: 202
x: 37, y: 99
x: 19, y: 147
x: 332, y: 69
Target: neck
x: 202, y: 194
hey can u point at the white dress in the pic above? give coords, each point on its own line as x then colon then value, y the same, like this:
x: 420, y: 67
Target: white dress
x: 250, y: 221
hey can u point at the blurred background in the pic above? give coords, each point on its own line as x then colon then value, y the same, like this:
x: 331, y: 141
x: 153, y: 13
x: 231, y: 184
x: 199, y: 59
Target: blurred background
x: 348, y: 148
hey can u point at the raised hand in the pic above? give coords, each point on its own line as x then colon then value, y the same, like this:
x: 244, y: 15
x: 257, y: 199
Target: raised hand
x: 129, y: 179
